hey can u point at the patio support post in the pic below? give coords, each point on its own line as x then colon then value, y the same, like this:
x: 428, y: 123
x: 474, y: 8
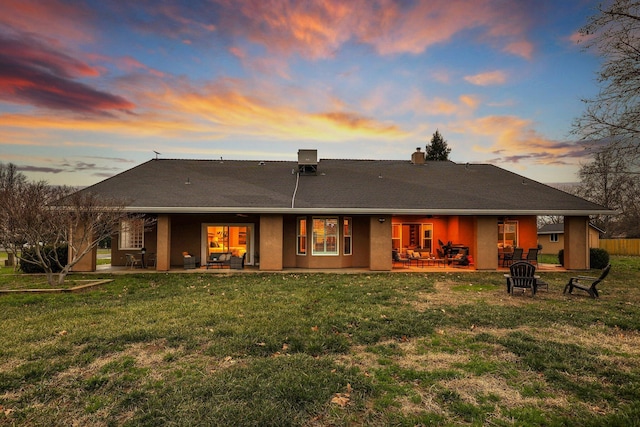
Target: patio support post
x: 163, y: 254
x: 87, y: 262
x: 271, y: 241
x: 486, y: 249
x: 576, y: 243
x: 380, y: 243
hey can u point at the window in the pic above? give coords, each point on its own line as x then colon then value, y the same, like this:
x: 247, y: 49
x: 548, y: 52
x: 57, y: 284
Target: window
x: 131, y: 234
x: 325, y: 236
x: 553, y: 237
x: 301, y: 245
x: 346, y: 235
x: 396, y: 236
x: 508, y: 234
x: 427, y: 237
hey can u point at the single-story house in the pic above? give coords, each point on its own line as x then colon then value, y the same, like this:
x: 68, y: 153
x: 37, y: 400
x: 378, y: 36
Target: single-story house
x: 331, y: 214
x: 551, y: 237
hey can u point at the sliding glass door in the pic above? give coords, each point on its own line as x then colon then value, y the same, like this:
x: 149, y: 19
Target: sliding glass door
x: 234, y: 238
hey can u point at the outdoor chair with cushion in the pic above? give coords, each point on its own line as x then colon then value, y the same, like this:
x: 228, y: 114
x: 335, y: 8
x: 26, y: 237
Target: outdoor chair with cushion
x: 587, y: 283
x: 522, y: 276
x: 190, y: 261
x: 237, y: 262
x: 219, y: 260
x: 418, y: 257
x: 395, y: 257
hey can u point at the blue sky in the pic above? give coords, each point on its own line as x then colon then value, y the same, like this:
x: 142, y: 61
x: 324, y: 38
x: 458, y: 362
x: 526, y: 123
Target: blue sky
x: 89, y: 89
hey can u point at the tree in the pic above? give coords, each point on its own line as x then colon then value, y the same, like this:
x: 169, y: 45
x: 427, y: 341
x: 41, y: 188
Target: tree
x: 438, y: 148
x: 608, y: 181
x: 613, y: 115
x: 45, y: 218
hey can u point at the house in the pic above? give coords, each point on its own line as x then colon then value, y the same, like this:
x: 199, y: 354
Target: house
x: 332, y: 214
x: 551, y: 237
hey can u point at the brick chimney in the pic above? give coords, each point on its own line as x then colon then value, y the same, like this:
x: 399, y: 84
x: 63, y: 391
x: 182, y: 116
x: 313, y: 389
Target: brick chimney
x: 417, y: 158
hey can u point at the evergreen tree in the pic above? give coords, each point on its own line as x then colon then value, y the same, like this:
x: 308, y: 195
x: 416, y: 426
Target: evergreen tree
x: 438, y: 148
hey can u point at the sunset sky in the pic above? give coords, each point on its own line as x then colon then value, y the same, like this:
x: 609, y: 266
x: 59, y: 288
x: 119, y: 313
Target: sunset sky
x: 89, y: 89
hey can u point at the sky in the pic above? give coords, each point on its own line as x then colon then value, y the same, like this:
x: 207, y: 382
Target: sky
x: 89, y: 89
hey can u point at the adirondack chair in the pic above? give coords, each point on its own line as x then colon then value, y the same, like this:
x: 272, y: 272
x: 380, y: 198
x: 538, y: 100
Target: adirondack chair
x: 586, y: 283
x: 522, y: 276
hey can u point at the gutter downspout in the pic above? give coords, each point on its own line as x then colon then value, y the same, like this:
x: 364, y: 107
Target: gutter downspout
x: 295, y: 190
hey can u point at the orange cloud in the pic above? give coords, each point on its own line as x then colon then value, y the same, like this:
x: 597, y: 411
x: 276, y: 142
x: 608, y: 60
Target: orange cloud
x: 219, y: 111
x: 437, y: 106
x: 487, y: 79
x: 515, y: 139
x: 318, y: 29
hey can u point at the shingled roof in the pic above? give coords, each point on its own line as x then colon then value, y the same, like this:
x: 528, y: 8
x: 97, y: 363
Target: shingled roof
x: 340, y: 186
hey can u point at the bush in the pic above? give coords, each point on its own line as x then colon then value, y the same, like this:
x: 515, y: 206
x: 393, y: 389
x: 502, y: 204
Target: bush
x: 30, y: 254
x: 598, y: 258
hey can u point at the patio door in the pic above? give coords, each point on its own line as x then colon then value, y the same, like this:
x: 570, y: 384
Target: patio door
x: 235, y: 238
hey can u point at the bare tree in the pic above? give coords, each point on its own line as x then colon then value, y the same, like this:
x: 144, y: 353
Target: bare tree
x: 44, y: 218
x: 613, y: 116
x: 608, y: 181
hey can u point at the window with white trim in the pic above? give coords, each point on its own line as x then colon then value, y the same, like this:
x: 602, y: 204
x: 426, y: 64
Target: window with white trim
x: 427, y: 237
x: 301, y: 242
x: 131, y: 234
x: 553, y: 237
x: 508, y: 234
x: 325, y: 236
x: 346, y: 235
x: 396, y: 236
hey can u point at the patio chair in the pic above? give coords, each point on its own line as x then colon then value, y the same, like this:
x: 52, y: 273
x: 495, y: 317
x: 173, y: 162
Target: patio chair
x: 586, y: 283
x: 395, y: 256
x: 532, y: 256
x: 151, y: 259
x: 522, y: 277
x: 132, y: 261
x: 510, y: 258
x: 190, y: 261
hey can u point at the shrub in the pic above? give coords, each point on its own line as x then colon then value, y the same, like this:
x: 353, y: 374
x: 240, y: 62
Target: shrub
x: 598, y: 258
x: 30, y: 254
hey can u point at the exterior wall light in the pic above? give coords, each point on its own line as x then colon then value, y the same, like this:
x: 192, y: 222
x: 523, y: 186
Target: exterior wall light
x: 381, y: 220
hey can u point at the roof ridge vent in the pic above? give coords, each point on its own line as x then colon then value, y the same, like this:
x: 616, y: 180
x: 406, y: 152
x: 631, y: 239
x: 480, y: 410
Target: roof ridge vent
x: 308, y: 162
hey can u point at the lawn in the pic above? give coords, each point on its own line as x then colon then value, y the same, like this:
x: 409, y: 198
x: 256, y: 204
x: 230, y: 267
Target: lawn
x: 322, y: 349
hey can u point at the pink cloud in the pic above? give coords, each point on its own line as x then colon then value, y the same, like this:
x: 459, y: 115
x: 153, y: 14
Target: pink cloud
x: 52, y: 19
x: 487, y: 79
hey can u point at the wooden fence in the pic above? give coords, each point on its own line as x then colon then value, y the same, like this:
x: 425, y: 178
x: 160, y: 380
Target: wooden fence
x: 621, y: 246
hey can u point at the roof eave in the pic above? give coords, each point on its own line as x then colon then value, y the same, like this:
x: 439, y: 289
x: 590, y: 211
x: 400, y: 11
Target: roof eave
x: 366, y: 211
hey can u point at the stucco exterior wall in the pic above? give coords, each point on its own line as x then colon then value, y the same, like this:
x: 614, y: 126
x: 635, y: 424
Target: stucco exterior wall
x: 380, y: 243
x: 485, y: 254
x: 576, y: 248
x: 87, y: 262
x: 163, y: 249
x: 271, y: 242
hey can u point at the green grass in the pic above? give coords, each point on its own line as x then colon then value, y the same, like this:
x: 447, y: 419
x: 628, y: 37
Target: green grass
x: 321, y: 349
